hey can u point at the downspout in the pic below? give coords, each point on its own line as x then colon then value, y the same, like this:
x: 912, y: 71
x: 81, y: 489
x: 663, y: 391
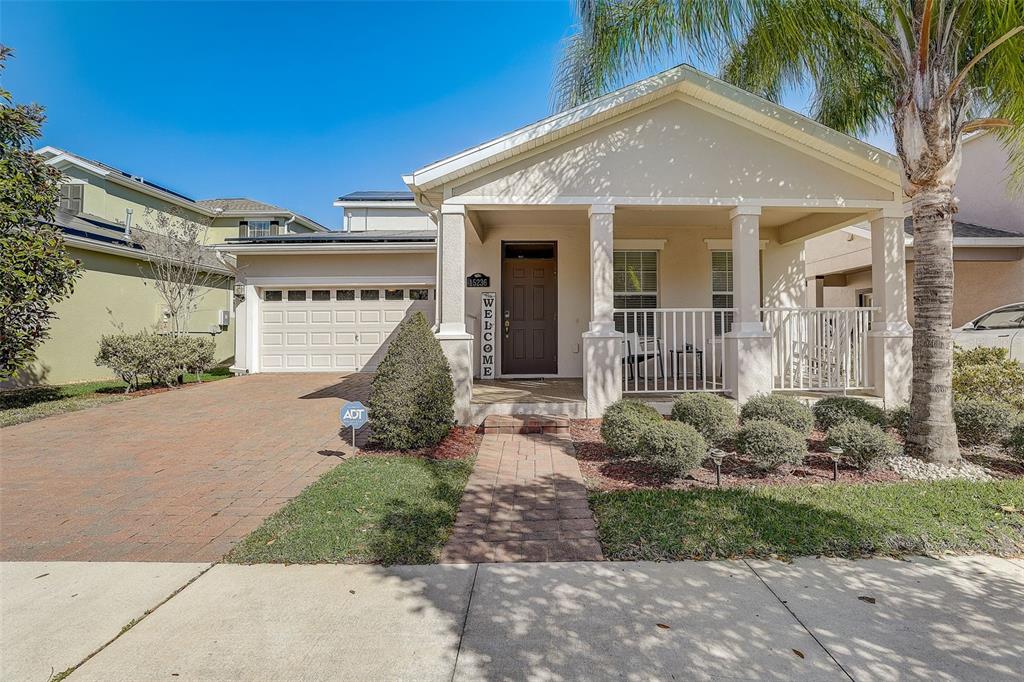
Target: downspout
x: 288, y: 222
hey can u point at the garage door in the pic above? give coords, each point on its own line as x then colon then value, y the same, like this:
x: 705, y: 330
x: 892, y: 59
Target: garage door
x: 336, y: 329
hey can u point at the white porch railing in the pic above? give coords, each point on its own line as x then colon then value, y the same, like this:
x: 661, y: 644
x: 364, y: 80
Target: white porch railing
x: 822, y: 349
x: 670, y: 350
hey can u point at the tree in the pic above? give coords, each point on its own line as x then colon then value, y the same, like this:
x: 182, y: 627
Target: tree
x: 178, y: 266
x: 36, y: 271
x: 933, y: 70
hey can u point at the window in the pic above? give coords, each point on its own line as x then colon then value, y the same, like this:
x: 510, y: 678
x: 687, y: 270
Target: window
x: 71, y: 197
x: 272, y: 295
x: 345, y: 295
x: 369, y: 295
x: 864, y: 298
x: 635, y: 285
x: 1007, y: 318
x: 297, y: 295
x: 417, y: 294
x: 394, y: 294
x: 721, y: 288
x: 321, y: 294
x: 257, y: 228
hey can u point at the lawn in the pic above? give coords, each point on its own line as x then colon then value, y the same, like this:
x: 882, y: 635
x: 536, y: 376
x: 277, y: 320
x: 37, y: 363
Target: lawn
x: 835, y: 520
x: 386, y: 510
x: 25, y: 404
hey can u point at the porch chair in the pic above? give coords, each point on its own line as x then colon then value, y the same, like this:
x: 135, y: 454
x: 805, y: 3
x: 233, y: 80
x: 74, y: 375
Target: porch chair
x: 641, y: 349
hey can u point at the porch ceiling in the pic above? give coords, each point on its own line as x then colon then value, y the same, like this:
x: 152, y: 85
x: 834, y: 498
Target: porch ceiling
x: 793, y: 223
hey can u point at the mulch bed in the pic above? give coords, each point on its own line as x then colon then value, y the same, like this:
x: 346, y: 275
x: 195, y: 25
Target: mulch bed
x: 995, y: 459
x: 460, y: 443
x: 602, y: 471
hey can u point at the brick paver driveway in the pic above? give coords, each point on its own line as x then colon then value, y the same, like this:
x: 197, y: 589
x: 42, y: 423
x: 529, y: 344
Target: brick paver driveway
x: 175, y: 476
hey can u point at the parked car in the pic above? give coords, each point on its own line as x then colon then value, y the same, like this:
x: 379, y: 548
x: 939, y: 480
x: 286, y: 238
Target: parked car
x: 999, y: 328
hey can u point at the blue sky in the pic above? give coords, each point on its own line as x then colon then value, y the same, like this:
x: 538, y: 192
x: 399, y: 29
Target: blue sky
x: 289, y: 103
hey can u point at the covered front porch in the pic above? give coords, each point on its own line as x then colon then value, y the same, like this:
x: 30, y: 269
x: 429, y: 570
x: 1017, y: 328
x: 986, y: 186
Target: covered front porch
x: 652, y: 243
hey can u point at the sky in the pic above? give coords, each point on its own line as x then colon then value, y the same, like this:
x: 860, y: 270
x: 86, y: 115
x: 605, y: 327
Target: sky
x: 289, y: 103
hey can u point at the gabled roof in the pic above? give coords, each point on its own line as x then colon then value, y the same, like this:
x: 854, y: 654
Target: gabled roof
x: 242, y: 207
x: 55, y: 155
x: 684, y: 79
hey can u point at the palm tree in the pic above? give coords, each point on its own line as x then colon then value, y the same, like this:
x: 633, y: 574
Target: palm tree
x: 932, y: 69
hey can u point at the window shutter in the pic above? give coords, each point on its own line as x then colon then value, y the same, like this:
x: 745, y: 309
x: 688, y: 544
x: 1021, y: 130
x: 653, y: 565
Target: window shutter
x: 275, y: 227
x: 243, y: 228
x: 71, y: 196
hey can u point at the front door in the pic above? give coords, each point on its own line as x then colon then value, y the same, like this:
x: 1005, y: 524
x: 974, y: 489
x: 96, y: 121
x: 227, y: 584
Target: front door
x: 529, y: 308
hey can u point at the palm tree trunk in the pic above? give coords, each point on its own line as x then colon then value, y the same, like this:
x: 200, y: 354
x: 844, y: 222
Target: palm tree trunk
x: 932, y: 433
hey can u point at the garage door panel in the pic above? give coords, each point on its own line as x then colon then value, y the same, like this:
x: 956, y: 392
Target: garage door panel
x: 330, y: 335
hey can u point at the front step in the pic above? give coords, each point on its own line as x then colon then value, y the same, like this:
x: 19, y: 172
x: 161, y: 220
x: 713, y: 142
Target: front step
x: 526, y: 423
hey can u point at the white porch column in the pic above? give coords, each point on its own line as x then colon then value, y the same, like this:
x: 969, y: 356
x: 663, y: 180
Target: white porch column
x: 451, y: 330
x: 890, y: 338
x: 748, y: 355
x: 602, y: 345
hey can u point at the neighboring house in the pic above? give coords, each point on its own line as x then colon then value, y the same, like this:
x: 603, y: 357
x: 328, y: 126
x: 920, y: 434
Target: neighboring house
x: 988, y: 244
x: 649, y: 242
x: 102, y: 212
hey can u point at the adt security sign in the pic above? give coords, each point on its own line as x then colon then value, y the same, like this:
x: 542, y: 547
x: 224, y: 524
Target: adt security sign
x: 354, y: 415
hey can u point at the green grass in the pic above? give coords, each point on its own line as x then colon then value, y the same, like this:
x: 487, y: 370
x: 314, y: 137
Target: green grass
x: 386, y: 510
x: 836, y: 520
x: 26, y: 404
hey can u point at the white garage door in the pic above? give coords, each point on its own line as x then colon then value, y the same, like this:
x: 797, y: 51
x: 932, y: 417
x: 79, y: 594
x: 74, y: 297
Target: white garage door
x: 336, y: 329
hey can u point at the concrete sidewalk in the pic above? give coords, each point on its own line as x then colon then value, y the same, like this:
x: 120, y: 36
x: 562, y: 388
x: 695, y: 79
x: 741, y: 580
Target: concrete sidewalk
x: 812, y: 619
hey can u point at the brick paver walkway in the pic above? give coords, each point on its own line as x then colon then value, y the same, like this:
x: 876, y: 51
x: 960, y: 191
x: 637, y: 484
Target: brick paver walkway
x: 175, y: 476
x: 525, y: 501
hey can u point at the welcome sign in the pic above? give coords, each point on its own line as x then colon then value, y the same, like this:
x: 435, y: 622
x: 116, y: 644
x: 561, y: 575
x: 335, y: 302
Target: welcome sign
x: 487, y: 327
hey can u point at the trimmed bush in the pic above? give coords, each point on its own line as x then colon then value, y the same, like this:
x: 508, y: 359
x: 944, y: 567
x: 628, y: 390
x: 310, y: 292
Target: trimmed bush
x: 624, y: 422
x: 712, y: 415
x: 770, y: 444
x: 1015, y: 441
x: 899, y: 419
x: 988, y: 373
x: 782, y: 409
x: 161, y: 358
x: 673, y: 447
x: 863, y: 443
x: 412, y: 397
x: 830, y: 412
x: 980, y: 421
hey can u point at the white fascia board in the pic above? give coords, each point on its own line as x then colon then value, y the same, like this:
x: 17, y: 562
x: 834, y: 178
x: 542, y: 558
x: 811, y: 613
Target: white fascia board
x: 989, y: 242
x: 758, y: 110
x: 117, y: 250
x: 64, y: 157
x: 294, y: 249
x: 376, y: 204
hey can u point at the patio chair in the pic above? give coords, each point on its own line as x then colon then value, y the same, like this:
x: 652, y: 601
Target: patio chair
x: 641, y: 350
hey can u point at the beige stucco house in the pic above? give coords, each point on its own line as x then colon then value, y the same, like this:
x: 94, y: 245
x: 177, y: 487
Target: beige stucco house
x: 102, y: 212
x: 647, y: 243
x: 988, y: 244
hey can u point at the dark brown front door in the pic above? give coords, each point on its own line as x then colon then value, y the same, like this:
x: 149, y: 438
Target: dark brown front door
x: 529, y: 304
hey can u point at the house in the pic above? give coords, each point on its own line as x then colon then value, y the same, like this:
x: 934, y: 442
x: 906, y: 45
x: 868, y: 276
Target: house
x: 647, y: 243
x: 103, y: 211
x: 988, y: 244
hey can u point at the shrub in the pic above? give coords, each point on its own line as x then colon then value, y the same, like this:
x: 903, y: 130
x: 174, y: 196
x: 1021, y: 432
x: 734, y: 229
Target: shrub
x: 1015, y: 441
x: 673, y: 447
x: 770, y: 444
x: 988, y: 373
x: 899, y: 419
x: 712, y: 415
x: 783, y: 409
x: 412, y: 395
x: 125, y: 355
x: 863, y: 443
x: 195, y: 354
x: 981, y: 421
x: 833, y: 411
x: 624, y: 422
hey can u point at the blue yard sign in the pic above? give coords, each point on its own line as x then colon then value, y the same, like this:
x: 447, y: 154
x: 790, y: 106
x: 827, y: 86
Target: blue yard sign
x: 354, y: 415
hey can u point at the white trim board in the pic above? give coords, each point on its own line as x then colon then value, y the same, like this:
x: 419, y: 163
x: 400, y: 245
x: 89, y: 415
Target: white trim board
x: 639, y: 244
x: 298, y: 281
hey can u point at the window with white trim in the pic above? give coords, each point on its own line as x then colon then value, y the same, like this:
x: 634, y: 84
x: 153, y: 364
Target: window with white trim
x: 259, y: 228
x: 721, y: 288
x: 634, y: 285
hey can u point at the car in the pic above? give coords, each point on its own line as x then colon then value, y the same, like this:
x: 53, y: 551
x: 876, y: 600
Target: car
x: 999, y: 328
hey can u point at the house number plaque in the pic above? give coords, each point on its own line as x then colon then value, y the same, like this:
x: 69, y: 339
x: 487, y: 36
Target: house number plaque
x: 478, y: 280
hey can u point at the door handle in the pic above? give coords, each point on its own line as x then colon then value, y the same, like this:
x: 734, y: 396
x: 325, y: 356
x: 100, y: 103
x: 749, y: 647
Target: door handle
x: 508, y: 326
